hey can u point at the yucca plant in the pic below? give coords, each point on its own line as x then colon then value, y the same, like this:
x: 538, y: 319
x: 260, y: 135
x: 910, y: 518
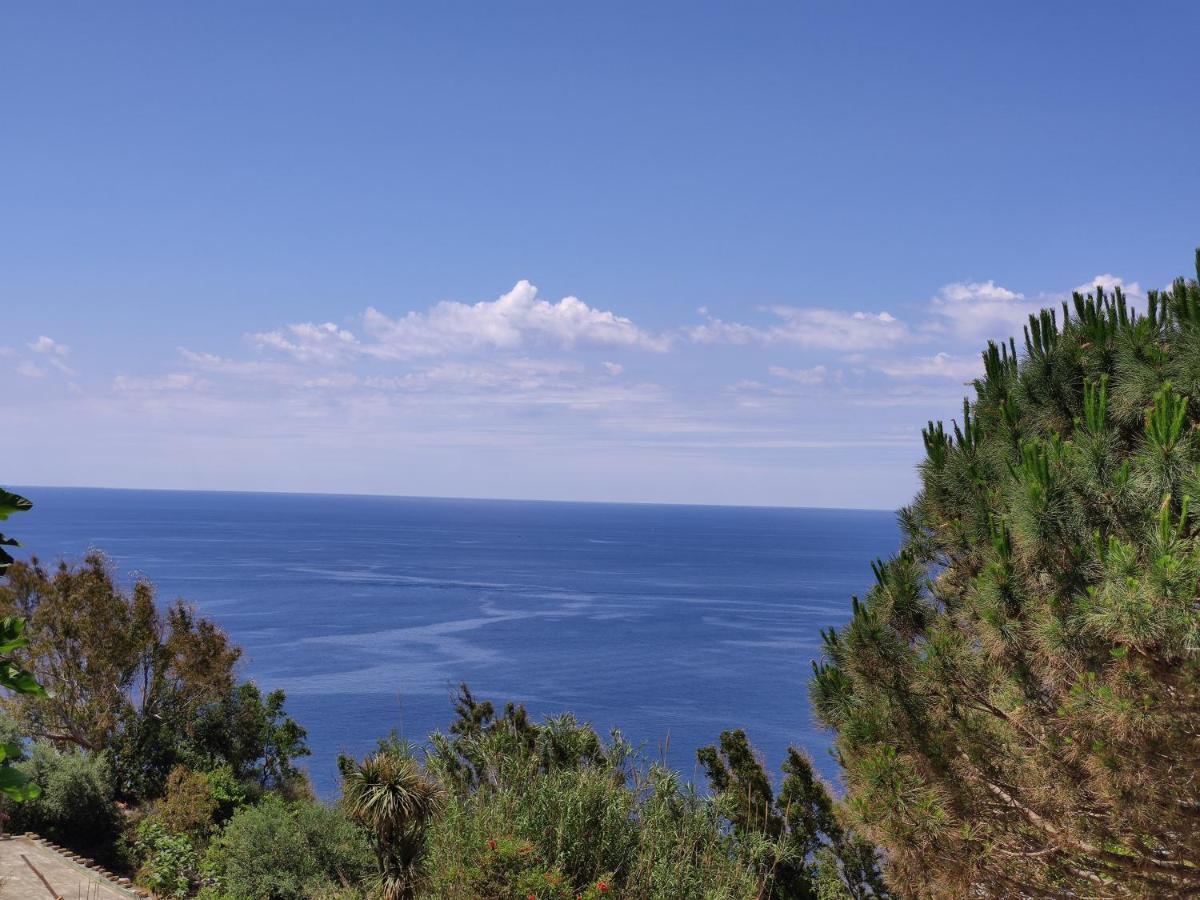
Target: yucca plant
x: 1017, y: 699
x: 389, y: 794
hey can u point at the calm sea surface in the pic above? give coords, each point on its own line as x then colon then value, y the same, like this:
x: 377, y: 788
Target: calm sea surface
x: 670, y: 622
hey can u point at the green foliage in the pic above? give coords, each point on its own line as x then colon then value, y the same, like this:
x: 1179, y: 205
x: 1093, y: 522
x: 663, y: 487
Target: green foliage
x: 1017, y: 700
x: 549, y: 809
x: 189, y: 804
x: 77, y: 803
x: 13, y: 676
x: 793, y: 839
x: 170, y: 865
x: 10, y: 503
x: 390, y: 796
x: 276, y: 850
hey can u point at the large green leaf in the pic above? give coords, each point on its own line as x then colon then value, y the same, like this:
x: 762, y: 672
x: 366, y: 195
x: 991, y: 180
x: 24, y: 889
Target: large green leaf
x: 18, y: 680
x: 17, y: 785
x: 11, y: 503
x: 12, y: 634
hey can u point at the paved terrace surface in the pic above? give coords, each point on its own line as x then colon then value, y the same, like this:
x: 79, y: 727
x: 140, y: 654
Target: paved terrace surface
x: 66, y: 879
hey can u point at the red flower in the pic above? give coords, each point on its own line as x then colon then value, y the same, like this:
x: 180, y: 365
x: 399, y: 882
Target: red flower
x: 491, y: 844
x: 602, y: 887
x: 531, y: 897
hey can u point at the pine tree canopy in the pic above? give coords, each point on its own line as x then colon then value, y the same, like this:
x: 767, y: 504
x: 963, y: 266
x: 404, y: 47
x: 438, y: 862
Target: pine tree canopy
x: 1017, y: 699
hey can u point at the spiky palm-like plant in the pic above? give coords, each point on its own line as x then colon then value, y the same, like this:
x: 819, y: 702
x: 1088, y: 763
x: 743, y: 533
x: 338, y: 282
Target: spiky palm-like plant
x: 392, y: 798
x: 1017, y: 700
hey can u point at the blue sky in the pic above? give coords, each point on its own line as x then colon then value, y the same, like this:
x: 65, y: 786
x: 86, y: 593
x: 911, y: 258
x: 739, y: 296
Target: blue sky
x: 294, y: 246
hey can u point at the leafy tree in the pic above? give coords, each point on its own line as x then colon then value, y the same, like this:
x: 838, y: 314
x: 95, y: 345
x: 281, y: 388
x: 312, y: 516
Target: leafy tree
x: 1017, y: 700
x: 793, y: 838
x: 153, y: 688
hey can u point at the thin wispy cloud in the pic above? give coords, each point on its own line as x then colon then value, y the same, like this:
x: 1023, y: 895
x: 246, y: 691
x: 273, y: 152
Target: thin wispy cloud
x: 812, y: 328
x: 940, y: 365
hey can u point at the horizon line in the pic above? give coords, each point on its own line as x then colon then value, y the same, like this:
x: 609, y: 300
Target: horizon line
x: 385, y: 496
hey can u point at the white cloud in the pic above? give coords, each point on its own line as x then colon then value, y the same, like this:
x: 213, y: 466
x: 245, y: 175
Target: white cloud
x: 815, y: 375
x: 174, y: 381
x: 940, y: 365
x: 54, y: 354
x: 981, y: 309
x: 1110, y: 283
x: 613, y: 368
x: 309, y: 342
x: 513, y: 320
x: 49, y: 346
x: 814, y: 328
x: 29, y: 370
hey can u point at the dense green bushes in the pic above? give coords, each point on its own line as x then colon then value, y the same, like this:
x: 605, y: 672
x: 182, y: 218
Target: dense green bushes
x: 1017, y: 701
x: 276, y: 850
x: 77, y: 802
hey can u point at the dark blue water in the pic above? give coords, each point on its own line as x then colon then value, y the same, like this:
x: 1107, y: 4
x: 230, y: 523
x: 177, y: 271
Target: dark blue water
x: 670, y: 622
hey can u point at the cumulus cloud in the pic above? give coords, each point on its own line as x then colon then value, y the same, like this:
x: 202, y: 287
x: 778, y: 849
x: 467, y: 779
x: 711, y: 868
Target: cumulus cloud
x: 516, y: 319
x: 813, y: 328
x: 1110, y: 283
x: 940, y: 365
x: 981, y: 309
x: 613, y: 368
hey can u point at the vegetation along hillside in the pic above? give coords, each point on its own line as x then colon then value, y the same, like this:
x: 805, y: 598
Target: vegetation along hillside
x: 1017, y: 699
x: 145, y: 751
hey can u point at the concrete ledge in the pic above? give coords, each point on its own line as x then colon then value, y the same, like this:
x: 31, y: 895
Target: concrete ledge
x: 32, y: 868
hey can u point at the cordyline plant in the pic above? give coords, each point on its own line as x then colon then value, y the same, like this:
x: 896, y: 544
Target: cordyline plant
x: 1017, y: 700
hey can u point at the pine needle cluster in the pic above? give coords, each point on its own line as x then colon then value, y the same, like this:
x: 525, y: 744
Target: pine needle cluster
x: 1017, y: 698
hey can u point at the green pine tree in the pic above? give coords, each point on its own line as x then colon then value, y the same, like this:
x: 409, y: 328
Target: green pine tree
x: 1017, y: 699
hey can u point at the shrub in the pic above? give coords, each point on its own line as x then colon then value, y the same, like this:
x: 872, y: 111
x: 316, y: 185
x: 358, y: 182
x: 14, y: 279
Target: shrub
x: 280, y: 851
x: 549, y: 809
x: 170, y: 865
x: 77, y: 805
x: 188, y: 805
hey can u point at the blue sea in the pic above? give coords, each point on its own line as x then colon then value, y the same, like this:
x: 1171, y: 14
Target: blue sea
x: 669, y: 622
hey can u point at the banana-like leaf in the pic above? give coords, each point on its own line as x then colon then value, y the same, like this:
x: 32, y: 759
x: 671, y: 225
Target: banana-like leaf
x: 18, y: 680
x: 17, y: 785
x: 11, y: 503
x: 12, y: 634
